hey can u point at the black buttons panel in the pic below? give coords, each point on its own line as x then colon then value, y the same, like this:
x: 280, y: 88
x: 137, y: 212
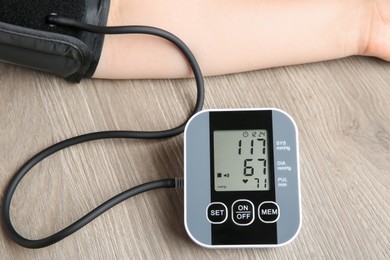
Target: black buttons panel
x: 243, y: 212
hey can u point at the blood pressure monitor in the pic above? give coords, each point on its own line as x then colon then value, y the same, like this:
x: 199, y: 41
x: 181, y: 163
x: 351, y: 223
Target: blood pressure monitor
x: 241, y: 178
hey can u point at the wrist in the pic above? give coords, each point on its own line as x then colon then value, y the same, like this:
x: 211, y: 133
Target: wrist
x: 365, y: 28
x: 357, y: 30
x: 376, y: 36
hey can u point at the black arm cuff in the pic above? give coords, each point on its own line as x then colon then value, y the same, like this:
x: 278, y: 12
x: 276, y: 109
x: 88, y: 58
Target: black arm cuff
x: 27, y: 40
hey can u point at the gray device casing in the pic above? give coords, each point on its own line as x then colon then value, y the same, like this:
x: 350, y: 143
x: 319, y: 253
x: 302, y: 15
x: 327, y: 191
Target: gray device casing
x: 198, y: 187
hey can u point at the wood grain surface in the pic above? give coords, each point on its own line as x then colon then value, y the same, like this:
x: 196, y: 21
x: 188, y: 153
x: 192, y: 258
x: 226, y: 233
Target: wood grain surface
x: 341, y: 107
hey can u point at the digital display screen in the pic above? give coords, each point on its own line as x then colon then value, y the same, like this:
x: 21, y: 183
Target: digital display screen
x: 241, y: 160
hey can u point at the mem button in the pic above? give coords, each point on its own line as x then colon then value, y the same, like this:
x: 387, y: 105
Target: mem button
x: 217, y: 213
x: 243, y: 212
x: 269, y: 212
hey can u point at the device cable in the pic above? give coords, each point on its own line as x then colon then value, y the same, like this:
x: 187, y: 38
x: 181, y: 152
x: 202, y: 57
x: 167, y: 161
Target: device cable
x: 164, y: 183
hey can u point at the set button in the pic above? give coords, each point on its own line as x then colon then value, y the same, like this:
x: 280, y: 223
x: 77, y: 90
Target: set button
x: 217, y: 213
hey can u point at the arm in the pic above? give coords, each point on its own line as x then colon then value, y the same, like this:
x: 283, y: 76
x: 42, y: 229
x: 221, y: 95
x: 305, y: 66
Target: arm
x: 235, y: 36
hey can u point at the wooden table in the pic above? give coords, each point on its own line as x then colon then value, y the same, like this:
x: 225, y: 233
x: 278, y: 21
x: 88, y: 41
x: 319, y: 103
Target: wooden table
x: 342, y: 109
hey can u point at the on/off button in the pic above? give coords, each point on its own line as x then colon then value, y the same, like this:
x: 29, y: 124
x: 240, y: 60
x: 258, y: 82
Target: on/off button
x: 243, y: 212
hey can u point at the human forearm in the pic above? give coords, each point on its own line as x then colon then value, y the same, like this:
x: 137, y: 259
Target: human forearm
x: 233, y: 36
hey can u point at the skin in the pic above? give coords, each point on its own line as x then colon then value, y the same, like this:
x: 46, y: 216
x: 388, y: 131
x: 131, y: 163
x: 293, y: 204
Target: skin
x: 235, y: 36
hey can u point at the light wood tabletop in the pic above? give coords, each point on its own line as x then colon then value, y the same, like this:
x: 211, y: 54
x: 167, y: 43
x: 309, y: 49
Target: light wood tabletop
x: 342, y: 110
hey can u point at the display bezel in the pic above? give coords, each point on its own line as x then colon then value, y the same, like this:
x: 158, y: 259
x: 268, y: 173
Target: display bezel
x: 241, y: 120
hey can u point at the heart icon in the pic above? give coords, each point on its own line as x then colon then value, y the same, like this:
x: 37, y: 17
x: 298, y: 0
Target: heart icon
x: 245, y: 180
